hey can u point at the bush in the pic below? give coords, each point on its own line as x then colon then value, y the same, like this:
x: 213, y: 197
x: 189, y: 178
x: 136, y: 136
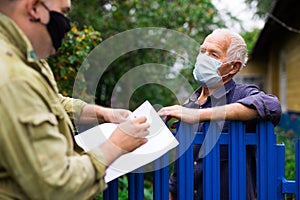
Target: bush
x: 65, y: 64
x: 289, y: 139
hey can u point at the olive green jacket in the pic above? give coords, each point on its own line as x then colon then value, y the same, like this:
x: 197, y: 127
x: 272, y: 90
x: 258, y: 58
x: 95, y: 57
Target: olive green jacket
x: 37, y: 156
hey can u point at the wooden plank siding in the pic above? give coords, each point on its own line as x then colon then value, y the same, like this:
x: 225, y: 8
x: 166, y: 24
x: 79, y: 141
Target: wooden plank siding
x: 292, y: 48
x: 255, y: 67
x: 269, y: 67
x: 278, y: 46
x: 273, y: 70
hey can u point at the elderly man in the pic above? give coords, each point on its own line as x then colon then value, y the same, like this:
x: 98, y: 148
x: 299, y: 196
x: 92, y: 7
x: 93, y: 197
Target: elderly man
x: 38, y: 157
x: 222, y: 55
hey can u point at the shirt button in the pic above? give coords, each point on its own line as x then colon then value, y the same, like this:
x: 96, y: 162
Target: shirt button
x: 195, y: 162
x: 9, y: 53
x: 195, y: 192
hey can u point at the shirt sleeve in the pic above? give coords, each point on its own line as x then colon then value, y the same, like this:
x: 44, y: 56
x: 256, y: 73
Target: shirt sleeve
x: 267, y: 105
x: 36, y: 155
x: 72, y: 106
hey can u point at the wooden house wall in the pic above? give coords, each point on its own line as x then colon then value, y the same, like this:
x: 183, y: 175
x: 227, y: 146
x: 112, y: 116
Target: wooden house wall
x: 273, y: 80
x: 292, y: 51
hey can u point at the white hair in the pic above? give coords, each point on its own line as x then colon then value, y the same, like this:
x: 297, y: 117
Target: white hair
x: 237, y: 49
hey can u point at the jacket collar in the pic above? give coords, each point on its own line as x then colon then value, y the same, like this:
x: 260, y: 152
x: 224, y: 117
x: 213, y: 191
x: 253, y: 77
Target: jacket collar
x: 13, y: 35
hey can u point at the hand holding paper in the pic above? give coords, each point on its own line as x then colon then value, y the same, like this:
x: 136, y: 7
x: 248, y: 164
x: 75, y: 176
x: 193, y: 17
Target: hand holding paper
x: 133, y: 131
x: 160, y: 141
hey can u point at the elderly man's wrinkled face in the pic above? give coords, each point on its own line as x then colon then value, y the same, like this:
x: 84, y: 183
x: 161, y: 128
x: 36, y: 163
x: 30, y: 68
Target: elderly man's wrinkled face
x: 216, y: 45
x: 213, y: 68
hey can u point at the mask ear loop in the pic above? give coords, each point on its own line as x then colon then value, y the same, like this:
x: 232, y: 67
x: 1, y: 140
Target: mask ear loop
x: 38, y: 19
x: 45, y: 6
x: 232, y: 66
x: 35, y: 19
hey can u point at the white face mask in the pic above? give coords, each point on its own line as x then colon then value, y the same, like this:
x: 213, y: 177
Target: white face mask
x: 206, y: 70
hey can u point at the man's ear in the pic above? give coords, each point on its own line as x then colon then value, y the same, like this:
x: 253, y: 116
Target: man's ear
x: 236, y: 67
x: 31, y: 7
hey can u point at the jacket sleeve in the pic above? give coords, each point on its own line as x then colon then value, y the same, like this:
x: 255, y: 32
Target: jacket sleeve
x: 72, y: 106
x: 36, y: 154
x: 267, y: 105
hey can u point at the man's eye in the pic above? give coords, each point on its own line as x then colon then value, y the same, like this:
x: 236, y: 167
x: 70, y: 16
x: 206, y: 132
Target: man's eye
x: 215, y: 55
x: 203, y: 51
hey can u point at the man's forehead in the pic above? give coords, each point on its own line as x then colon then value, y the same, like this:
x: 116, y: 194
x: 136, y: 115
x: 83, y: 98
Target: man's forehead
x: 217, y: 40
x: 218, y: 37
x: 59, y: 5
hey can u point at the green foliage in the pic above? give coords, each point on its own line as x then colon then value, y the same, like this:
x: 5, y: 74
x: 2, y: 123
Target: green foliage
x: 66, y: 63
x: 262, y: 6
x: 250, y: 38
x: 195, y: 18
x: 289, y: 139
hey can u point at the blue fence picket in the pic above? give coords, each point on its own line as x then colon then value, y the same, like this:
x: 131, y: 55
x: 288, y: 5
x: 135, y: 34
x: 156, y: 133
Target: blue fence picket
x: 161, y: 177
x: 111, y: 193
x: 266, y: 180
x: 271, y: 156
x: 185, y: 177
x: 298, y: 170
x: 280, y: 170
x: 211, y: 163
x: 136, y: 186
x: 237, y: 161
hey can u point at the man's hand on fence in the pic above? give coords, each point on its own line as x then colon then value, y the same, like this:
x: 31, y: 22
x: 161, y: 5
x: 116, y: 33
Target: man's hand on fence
x: 188, y: 115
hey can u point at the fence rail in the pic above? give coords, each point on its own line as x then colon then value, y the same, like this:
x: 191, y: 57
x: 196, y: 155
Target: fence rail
x: 270, y: 158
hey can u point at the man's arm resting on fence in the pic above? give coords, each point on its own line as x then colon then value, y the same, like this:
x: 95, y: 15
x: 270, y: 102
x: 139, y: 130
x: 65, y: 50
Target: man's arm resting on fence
x: 234, y: 111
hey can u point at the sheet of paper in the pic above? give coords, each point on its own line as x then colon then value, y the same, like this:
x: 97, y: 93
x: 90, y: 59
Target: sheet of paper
x: 160, y: 141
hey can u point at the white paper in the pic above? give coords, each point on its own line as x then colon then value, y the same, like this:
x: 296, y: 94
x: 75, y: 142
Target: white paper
x: 160, y: 141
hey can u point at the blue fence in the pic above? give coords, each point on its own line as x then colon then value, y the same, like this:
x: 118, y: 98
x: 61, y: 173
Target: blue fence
x: 271, y: 183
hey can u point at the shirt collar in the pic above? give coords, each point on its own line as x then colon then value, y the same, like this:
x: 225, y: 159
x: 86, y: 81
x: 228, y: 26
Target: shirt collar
x: 219, y: 93
x: 222, y: 91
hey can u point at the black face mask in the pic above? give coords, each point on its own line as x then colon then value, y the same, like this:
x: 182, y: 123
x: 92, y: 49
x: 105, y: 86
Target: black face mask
x: 57, y: 26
